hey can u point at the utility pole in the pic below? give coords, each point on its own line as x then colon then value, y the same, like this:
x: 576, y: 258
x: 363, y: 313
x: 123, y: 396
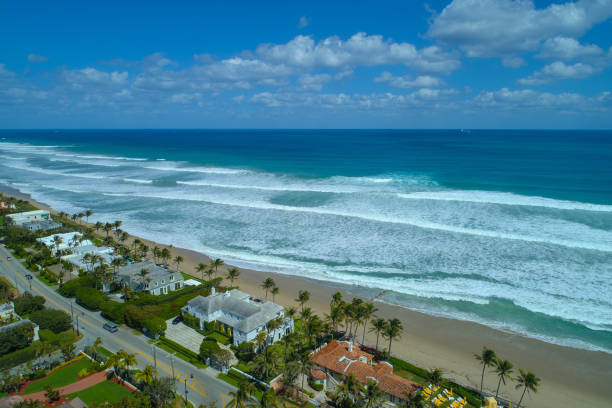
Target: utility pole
x: 186, y: 402
x: 154, y: 355
x: 77, y: 322
x: 173, y: 376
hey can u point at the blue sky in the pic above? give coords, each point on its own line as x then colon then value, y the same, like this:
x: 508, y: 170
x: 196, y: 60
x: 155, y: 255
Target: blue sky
x: 353, y: 64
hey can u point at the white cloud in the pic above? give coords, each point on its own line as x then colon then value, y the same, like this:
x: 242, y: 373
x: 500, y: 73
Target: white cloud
x: 488, y: 28
x: 359, y: 50
x: 567, y: 49
x: 186, y: 98
x: 313, y: 82
x: 406, y: 81
x: 528, y: 99
x: 5, y: 73
x: 303, y: 22
x: 37, y: 58
x: 558, y: 71
x: 90, y: 75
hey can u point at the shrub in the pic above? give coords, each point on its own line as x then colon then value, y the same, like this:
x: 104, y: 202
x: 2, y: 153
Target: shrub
x: 144, y: 318
x: 191, y: 321
x: 208, y: 348
x: 69, y: 288
x: 114, y: 311
x: 90, y: 297
x: 19, y: 357
x: 16, y: 338
x: 27, y: 303
x: 55, y: 320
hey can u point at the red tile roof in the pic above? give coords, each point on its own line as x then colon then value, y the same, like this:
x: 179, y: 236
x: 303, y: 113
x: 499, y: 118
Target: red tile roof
x: 337, y: 358
x: 318, y: 374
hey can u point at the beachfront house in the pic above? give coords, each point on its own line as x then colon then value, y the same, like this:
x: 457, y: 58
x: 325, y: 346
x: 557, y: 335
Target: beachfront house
x: 147, y: 276
x: 10, y: 320
x: 69, y: 240
x: 5, y: 205
x: 240, y: 315
x: 21, y: 218
x: 337, y: 359
x: 80, y: 260
x: 44, y: 225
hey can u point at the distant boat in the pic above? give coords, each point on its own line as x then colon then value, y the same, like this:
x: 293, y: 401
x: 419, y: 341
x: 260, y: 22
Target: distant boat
x: 465, y: 131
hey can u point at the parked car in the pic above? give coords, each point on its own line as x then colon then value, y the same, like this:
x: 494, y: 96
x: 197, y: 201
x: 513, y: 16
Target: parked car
x: 177, y: 319
x: 8, y: 258
x: 110, y: 326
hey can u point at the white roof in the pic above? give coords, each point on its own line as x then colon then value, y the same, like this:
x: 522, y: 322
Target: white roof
x: 67, y: 240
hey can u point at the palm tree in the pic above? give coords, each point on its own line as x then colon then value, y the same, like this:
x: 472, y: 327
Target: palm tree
x: 88, y: 214
x: 393, y: 331
x: 200, y: 269
x: 98, y: 226
x: 147, y: 375
x: 57, y: 241
x: 108, y: 227
x: 291, y: 311
x: 415, y: 400
x: 116, y: 263
x: 527, y: 381
x: 350, y: 387
x: 367, y: 311
x: 165, y: 255
x: 274, y: 292
x: 372, y: 395
x: 336, y: 314
x: 66, y: 267
x: 268, y: 284
x: 232, y: 275
x: 357, y: 315
x: 435, y: 376
x: 305, y: 366
x: 117, y: 224
x: 303, y: 298
x: 335, y: 300
x: 216, y: 264
x: 503, y: 368
x: 487, y: 359
x: 268, y: 399
x: 378, y: 326
x: 94, y: 347
x: 129, y: 360
x: 177, y: 260
x: 241, y: 396
x: 209, y: 273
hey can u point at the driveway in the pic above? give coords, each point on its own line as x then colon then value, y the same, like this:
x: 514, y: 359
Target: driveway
x: 184, y: 335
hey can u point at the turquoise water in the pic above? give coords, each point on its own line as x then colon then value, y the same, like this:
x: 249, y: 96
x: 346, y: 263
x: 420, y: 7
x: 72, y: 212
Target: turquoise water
x: 512, y: 229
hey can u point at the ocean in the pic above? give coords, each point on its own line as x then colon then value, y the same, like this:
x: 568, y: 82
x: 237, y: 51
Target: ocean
x: 511, y: 229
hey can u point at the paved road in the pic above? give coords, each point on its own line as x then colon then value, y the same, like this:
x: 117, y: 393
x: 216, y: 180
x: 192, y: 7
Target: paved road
x: 203, y: 388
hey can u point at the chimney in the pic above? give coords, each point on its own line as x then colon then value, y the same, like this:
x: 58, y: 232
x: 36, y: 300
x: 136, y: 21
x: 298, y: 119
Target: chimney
x: 350, y: 346
x: 213, y: 291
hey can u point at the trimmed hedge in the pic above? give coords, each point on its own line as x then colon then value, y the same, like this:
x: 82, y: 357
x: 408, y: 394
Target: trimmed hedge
x: 404, y: 365
x: 16, y: 338
x: 191, y: 321
x: 90, y: 298
x: 55, y: 320
x: 115, y: 311
x: 144, y: 318
x: 19, y: 357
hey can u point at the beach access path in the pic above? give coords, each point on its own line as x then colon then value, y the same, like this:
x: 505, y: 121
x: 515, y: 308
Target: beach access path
x: 203, y: 388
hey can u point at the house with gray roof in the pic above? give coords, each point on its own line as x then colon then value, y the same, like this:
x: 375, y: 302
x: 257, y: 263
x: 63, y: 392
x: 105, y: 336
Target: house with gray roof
x: 157, y: 280
x: 43, y: 225
x: 241, y: 313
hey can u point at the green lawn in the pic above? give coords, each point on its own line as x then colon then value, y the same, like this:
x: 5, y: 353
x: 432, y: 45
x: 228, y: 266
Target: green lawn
x: 61, y: 377
x: 180, y: 352
x: 106, y: 391
x: 221, y: 338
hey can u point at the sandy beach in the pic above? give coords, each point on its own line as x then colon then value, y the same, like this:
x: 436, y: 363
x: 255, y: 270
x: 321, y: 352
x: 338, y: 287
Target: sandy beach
x: 570, y: 377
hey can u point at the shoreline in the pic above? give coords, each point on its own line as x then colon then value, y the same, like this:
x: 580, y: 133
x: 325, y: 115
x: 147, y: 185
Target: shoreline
x: 570, y: 376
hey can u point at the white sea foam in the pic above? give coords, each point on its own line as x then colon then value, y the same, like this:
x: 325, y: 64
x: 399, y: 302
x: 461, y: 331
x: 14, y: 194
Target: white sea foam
x: 385, y: 219
x: 486, y: 197
x: 208, y: 170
